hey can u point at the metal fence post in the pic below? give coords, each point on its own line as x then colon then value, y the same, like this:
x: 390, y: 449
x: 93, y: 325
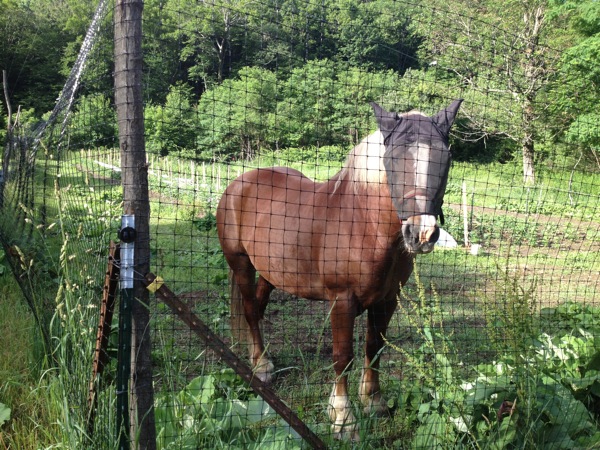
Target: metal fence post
x: 127, y: 236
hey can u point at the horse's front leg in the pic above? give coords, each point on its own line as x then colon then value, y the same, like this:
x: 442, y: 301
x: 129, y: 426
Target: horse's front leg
x: 379, y: 316
x: 343, y: 313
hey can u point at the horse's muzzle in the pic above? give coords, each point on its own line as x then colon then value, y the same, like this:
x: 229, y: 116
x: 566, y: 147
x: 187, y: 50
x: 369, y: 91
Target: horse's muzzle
x: 420, y: 233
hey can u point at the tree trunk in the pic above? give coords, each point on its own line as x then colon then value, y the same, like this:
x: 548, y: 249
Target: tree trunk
x: 528, y: 157
x: 533, y: 69
x: 528, y: 142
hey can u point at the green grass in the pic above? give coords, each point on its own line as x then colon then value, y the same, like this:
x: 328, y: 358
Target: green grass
x: 22, y: 388
x: 48, y: 398
x: 546, y: 232
x: 48, y: 401
x: 500, y: 187
x: 509, y: 220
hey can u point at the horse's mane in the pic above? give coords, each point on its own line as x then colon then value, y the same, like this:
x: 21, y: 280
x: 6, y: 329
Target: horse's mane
x: 364, y: 163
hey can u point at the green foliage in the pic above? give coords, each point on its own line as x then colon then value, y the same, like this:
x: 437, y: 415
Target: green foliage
x: 584, y: 130
x: 570, y: 317
x: 172, y: 127
x: 325, y: 155
x: 4, y: 414
x: 238, y: 116
x: 31, y: 45
x: 327, y: 103
x: 432, y: 396
x: 510, y: 313
x: 206, y: 223
x: 385, y: 40
x: 218, y: 410
x: 94, y: 123
x: 24, y: 403
x: 245, y: 79
x: 541, y: 391
x: 579, y: 73
x: 320, y: 104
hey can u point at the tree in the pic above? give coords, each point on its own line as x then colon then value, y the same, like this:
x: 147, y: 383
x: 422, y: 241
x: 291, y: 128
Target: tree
x: 289, y: 32
x: 94, y: 123
x: 210, y: 34
x: 172, y: 127
x: 532, y: 76
x: 308, y: 104
x: 500, y: 56
x: 30, y: 46
x: 162, y: 52
x: 237, y: 117
x: 576, y: 91
x: 373, y: 35
x: 327, y: 103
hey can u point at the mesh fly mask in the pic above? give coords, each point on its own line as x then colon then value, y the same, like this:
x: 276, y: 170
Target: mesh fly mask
x: 417, y: 159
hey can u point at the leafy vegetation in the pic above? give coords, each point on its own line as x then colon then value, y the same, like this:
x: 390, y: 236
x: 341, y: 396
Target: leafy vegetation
x: 540, y: 390
x: 218, y: 410
x: 236, y: 79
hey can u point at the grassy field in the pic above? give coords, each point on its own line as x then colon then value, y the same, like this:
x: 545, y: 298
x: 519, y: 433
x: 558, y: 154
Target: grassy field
x: 546, y: 237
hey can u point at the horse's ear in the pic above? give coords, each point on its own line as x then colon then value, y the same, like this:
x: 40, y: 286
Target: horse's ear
x: 445, y: 118
x: 386, y: 120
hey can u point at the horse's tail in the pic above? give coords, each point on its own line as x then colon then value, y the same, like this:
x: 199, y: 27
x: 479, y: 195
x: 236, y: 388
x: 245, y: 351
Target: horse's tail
x: 239, y: 326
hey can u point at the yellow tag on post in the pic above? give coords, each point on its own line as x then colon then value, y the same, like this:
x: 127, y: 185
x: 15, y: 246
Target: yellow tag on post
x: 155, y: 285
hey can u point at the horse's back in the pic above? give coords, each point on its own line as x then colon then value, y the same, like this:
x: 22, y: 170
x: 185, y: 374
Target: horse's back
x: 261, y: 186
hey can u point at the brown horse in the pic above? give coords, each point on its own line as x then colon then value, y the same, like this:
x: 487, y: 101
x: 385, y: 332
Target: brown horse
x: 350, y: 240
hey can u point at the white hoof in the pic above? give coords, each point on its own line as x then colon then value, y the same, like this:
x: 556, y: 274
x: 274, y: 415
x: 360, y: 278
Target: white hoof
x: 344, y: 426
x: 346, y: 434
x: 263, y: 370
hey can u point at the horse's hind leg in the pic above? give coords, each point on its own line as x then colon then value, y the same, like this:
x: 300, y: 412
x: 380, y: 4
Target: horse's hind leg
x: 263, y: 367
x: 253, y: 301
x: 263, y: 292
x: 379, y: 316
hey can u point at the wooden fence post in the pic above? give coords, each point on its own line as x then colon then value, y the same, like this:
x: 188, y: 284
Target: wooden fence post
x: 130, y: 118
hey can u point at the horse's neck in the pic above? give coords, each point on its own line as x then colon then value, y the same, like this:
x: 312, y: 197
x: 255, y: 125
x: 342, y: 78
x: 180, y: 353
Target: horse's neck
x: 373, y: 201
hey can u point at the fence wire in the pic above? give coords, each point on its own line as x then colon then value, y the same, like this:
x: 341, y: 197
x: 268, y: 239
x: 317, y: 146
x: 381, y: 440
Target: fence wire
x: 495, y: 339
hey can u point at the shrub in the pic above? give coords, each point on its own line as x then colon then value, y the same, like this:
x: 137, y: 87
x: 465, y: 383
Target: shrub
x: 172, y: 127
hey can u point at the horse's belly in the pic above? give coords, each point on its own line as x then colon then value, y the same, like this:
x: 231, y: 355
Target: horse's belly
x: 282, y: 252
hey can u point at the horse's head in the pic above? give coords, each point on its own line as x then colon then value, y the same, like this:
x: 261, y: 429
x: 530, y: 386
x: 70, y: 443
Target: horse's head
x: 417, y: 161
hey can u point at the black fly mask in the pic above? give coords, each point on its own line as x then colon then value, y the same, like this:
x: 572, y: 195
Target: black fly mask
x: 417, y: 159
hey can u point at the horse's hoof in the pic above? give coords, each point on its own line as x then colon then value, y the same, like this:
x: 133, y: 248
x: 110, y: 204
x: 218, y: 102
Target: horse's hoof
x: 346, y: 434
x: 264, y: 371
x: 376, y: 406
x: 344, y: 425
x: 378, y: 411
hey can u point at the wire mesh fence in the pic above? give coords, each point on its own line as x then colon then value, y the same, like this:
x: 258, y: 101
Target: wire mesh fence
x: 494, y: 341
